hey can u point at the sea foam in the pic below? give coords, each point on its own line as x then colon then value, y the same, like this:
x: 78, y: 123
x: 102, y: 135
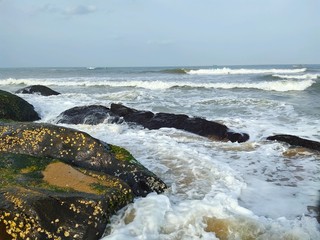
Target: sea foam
x: 281, y: 86
x: 304, y: 76
x: 224, y: 71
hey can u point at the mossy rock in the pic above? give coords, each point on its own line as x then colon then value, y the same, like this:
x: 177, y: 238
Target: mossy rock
x: 78, y: 149
x: 15, y: 108
x: 42, y: 198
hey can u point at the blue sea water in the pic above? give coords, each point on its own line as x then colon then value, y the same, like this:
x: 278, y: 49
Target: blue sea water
x: 259, y: 189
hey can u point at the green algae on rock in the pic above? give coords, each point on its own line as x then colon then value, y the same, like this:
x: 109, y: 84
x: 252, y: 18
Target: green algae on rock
x: 15, y: 108
x: 34, y: 206
x: 78, y: 149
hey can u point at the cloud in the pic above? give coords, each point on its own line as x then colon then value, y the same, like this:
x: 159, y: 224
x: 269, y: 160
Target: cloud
x: 80, y: 10
x: 68, y: 11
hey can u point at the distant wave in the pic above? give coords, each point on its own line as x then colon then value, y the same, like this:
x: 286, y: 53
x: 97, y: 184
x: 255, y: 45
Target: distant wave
x: 95, y: 68
x: 224, y: 71
x: 281, y: 85
x: 302, y: 77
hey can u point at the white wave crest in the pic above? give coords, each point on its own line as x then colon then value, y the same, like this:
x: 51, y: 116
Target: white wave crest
x: 224, y: 71
x: 304, y: 76
x: 281, y: 86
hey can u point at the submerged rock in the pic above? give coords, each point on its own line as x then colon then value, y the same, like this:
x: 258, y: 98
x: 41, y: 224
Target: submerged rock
x: 200, y: 126
x: 15, y: 108
x: 42, y: 198
x: 296, y: 141
x: 38, y: 89
x: 93, y: 114
x: 78, y: 149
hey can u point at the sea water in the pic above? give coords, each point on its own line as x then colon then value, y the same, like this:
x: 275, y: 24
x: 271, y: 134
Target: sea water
x: 217, y: 190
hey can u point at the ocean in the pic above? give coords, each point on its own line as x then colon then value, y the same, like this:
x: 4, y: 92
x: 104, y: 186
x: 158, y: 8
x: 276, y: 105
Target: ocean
x: 217, y: 190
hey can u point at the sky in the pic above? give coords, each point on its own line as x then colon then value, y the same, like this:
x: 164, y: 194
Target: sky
x: 119, y: 33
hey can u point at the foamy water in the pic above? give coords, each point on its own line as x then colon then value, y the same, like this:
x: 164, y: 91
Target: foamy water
x: 225, y: 70
x: 217, y: 190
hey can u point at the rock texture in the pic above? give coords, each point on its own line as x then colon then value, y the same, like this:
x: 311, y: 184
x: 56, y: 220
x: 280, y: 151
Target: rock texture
x: 78, y: 149
x: 296, y: 141
x: 38, y: 89
x: 42, y: 198
x: 15, y: 108
x: 60, y: 183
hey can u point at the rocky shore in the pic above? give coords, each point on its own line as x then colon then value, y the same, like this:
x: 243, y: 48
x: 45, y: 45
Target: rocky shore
x: 60, y: 183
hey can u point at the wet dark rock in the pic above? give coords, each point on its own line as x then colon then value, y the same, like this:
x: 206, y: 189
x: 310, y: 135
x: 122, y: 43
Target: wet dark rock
x: 93, y: 114
x: 200, y: 126
x: 96, y: 114
x: 78, y: 149
x: 38, y: 89
x: 296, y: 141
x: 38, y: 199
x: 15, y: 108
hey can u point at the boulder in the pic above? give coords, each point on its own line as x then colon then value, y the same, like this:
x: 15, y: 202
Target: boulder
x: 78, y: 149
x: 38, y: 89
x: 200, y: 126
x: 96, y: 114
x: 42, y: 198
x: 93, y: 114
x: 296, y: 141
x: 15, y: 108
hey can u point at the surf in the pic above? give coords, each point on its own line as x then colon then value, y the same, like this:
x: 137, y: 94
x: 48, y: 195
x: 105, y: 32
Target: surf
x: 226, y: 71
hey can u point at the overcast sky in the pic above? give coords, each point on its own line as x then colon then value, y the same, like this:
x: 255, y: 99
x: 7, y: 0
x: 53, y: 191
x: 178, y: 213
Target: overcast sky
x: 37, y: 33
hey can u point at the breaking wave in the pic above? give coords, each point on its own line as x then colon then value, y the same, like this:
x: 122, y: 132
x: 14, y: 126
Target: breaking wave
x: 224, y: 71
x: 280, y: 86
x: 302, y: 77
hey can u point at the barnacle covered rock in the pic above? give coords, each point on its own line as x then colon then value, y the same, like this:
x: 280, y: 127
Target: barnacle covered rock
x: 43, y: 198
x: 78, y: 149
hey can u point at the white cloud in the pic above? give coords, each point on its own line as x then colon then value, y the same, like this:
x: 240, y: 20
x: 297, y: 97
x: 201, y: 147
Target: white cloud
x: 80, y: 10
x: 68, y: 11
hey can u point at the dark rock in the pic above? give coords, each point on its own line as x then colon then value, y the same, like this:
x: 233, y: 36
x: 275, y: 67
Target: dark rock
x: 78, y: 149
x: 15, y: 108
x: 38, y: 89
x: 93, y: 114
x: 296, y: 141
x: 36, y: 204
x: 200, y: 126
x: 132, y: 115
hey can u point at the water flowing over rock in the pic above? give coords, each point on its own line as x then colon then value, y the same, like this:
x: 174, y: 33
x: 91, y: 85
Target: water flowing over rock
x: 200, y: 126
x: 296, y: 141
x: 38, y: 89
x: 93, y: 114
x: 15, y: 108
